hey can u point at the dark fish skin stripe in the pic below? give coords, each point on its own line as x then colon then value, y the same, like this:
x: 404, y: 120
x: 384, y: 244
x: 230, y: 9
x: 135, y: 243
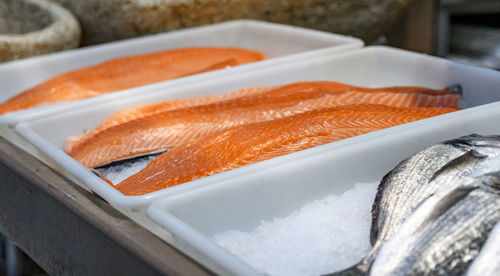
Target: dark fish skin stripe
x: 375, y: 210
x: 121, y: 162
x: 475, y: 140
x: 461, y: 161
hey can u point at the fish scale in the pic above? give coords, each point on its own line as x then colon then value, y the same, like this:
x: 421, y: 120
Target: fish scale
x: 446, y: 233
x: 412, y: 181
x: 250, y: 143
x: 418, y: 169
x: 486, y: 264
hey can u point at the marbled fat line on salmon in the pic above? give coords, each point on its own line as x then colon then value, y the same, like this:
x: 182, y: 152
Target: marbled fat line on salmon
x: 127, y: 72
x: 137, y: 112
x: 176, y: 127
x: 250, y: 143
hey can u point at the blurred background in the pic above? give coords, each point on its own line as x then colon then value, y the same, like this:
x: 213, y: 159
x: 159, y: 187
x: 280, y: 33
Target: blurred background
x: 463, y: 30
x: 466, y: 31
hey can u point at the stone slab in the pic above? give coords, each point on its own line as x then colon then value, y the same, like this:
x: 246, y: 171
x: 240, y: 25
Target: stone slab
x: 34, y: 27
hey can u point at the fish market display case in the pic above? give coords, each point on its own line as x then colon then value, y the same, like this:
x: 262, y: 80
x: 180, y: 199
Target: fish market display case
x: 280, y: 185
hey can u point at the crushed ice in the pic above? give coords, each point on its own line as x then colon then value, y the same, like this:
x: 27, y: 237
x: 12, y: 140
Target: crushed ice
x: 324, y: 236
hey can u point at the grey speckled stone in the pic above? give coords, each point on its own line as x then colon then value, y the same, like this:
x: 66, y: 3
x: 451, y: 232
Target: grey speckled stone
x: 108, y: 20
x: 34, y: 27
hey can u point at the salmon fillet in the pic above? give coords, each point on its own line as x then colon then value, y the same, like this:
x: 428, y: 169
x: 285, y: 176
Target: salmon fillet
x: 250, y: 143
x: 175, y: 127
x: 136, y: 112
x: 127, y: 72
x: 444, y: 98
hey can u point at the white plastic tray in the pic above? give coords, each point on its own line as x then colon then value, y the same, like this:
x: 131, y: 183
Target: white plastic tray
x: 280, y: 43
x: 372, y: 66
x: 241, y: 203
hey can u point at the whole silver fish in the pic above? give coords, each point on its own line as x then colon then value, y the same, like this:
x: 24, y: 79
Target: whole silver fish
x: 488, y: 261
x: 412, y: 181
x: 446, y: 232
x: 420, y: 176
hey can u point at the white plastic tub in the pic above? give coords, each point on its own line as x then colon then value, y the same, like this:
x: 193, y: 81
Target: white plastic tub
x: 280, y: 43
x: 372, y: 66
x: 241, y: 203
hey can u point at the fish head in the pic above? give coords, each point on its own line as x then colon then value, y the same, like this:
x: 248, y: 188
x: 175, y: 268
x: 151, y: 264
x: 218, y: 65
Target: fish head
x: 476, y: 141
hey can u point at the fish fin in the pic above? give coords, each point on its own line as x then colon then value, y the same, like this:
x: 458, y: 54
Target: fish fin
x: 465, y: 158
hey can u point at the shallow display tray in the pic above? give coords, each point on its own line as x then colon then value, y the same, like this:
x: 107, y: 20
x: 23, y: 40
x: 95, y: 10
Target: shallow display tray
x: 280, y: 43
x: 372, y: 67
x: 280, y: 187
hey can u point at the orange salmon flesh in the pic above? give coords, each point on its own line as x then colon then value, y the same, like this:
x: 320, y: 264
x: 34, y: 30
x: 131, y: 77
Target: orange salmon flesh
x: 128, y: 72
x: 250, y: 143
x: 151, y: 128
x: 137, y: 112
